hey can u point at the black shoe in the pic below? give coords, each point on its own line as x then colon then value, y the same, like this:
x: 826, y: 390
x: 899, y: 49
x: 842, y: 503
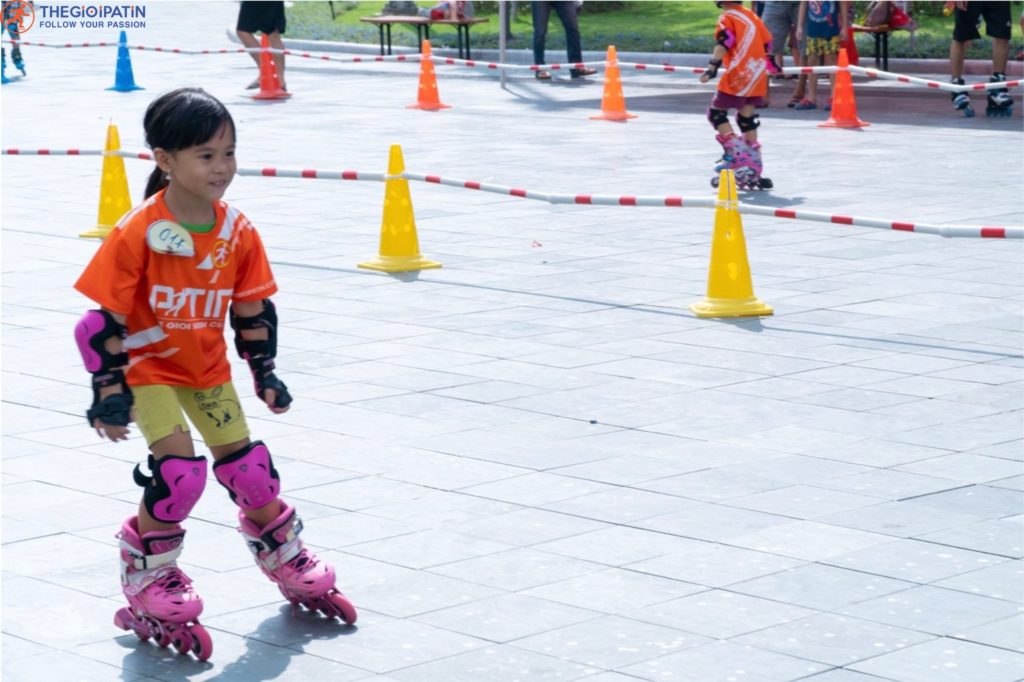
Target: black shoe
x: 543, y: 75
x: 580, y: 73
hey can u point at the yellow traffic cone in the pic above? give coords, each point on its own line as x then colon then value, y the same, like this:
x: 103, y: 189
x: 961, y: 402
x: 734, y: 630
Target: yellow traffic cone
x: 399, y: 246
x: 115, y: 200
x: 730, y: 291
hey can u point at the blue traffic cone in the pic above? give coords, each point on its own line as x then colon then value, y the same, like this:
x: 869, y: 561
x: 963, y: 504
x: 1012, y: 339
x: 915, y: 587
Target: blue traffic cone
x: 124, y: 80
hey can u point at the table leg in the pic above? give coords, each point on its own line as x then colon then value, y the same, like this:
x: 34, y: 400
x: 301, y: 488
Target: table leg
x: 419, y: 38
x: 878, y: 51
x: 389, y: 38
x: 380, y: 28
x: 885, y: 52
x: 469, y: 55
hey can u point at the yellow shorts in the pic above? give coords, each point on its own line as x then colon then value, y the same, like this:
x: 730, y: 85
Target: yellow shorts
x: 216, y: 412
x: 822, y: 46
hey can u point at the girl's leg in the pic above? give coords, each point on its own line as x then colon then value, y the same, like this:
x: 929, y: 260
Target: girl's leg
x: 746, y: 111
x: 261, y: 515
x: 178, y: 443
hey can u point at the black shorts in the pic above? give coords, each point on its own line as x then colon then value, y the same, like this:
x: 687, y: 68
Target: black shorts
x: 261, y: 17
x: 965, y: 23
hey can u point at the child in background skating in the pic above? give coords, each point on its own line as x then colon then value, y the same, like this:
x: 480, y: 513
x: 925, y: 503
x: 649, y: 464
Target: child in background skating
x: 166, y: 277
x: 743, y: 45
x: 824, y: 24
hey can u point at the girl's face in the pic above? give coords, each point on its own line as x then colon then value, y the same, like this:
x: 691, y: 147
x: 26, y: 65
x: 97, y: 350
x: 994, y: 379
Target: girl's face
x: 206, y: 170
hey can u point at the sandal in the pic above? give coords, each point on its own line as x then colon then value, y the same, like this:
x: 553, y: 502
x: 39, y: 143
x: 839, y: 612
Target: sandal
x: 806, y: 104
x: 543, y: 75
x: 793, y: 101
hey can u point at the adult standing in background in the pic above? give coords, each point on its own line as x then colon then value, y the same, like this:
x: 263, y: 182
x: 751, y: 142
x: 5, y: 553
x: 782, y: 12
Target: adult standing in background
x: 568, y: 14
x: 267, y: 18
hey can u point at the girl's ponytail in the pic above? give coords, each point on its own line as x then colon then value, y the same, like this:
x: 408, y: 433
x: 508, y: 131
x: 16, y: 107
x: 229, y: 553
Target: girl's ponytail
x: 157, y: 181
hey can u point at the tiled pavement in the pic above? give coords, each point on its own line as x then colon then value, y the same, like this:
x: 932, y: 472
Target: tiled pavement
x: 535, y: 463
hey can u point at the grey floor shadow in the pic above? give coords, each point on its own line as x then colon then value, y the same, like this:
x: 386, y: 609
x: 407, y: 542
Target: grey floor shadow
x: 410, y: 276
x: 263, y: 661
x: 768, y: 198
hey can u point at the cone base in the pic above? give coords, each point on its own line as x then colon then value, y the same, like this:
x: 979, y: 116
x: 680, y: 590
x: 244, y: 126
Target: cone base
x: 273, y: 94
x: 428, y: 107
x: 98, y: 232
x: 125, y: 88
x: 833, y: 123
x: 613, y: 116
x: 399, y: 264
x: 731, y: 307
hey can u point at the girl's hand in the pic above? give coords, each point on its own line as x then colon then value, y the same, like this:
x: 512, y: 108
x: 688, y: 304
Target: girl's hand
x: 269, y: 396
x: 112, y: 431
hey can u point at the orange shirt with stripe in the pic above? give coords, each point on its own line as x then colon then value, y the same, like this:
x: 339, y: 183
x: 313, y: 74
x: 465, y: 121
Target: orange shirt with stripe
x: 176, y: 304
x: 747, y: 74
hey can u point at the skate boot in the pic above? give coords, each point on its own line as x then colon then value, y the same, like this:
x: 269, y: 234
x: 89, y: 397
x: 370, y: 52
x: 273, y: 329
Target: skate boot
x: 299, y: 574
x: 744, y: 158
x: 19, y: 63
x: 748, y: 175
x: 961, y: 100
x: 999, y: 104
x: 3, y: 67
x: 732, y: 145
x: 161, y: 601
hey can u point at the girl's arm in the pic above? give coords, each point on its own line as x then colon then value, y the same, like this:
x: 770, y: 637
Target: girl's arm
x: 844, y: 17
x: 801, y: 20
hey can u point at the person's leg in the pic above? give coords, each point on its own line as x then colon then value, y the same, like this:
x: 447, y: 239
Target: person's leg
x: 570, y: 22
x: 747, y: 122
x: 249, y: 41
x: 956, y: 59
x: 178, y: 444
x: 540, y: 12
x: 278, y: 44
x: 1000, y: 54
x: 830, y: 60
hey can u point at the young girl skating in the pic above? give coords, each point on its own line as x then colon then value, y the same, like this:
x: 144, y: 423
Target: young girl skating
x: 165, y: 279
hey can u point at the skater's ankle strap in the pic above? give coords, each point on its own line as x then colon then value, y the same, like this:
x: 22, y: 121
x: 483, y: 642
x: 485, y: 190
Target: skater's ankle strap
x: 146, y: 561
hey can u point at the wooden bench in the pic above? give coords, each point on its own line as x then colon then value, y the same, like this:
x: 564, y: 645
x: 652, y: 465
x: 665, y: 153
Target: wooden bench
x: 423, y: 24
x: 881, y: 34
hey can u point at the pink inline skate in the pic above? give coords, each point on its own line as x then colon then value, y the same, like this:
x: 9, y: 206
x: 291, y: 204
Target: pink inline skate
x: 161, y: 601
x: 299, y: 574
x: 744, y: 158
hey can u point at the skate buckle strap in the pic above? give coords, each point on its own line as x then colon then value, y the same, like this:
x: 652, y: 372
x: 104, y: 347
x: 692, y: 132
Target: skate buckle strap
x: 148, y: 561
x: 268, y: 543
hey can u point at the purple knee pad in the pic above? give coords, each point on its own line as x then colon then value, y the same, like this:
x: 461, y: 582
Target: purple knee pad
x: 174, y: 486
x: 91, y: 333
x: 249, y: 476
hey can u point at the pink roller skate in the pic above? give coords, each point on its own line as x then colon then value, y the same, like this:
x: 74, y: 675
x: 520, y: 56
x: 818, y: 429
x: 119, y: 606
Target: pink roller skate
x: 161, y: 601
x: 300, y: 575
x: 744, y: 158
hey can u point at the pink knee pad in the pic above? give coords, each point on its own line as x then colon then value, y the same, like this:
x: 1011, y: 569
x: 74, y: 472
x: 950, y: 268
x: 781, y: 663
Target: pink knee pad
x: 249, y: 476
x: 174, y: 486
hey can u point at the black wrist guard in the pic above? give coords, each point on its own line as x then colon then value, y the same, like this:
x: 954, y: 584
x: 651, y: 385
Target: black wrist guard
x: 713, y: 66
x: 115, y: 409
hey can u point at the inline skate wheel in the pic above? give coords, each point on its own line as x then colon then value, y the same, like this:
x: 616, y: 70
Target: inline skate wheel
x: 766, y: 183
x: 714, y: 182
x: 338, y: 605
x: 202, y: 645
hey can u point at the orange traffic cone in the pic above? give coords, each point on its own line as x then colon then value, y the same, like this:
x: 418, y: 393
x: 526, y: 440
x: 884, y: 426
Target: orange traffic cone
x: 613, y: 104
x: 270, y: 85
x: 844, y: 104
x: 427, y: 98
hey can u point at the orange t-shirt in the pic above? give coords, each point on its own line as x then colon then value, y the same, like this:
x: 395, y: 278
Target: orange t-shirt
x: 746, y: 74
x: 176, y: 302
